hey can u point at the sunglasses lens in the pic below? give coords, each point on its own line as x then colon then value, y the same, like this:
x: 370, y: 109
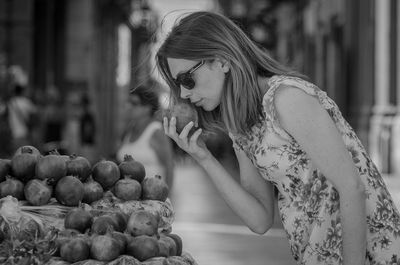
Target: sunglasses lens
x: 188, y: 82
x: 185, y: 80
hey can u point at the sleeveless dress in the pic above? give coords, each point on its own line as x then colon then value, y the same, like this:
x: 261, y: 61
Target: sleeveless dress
x: 307, y: 201
x: 141, y: 150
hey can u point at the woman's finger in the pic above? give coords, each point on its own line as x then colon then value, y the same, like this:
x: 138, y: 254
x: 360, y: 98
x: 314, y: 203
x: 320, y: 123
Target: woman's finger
x: 184, y: 133
x: 195, y: 136
x: 172, y: 126
x: 165, y: 124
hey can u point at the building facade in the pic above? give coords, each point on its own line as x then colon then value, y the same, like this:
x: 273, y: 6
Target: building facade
x: 92, y: 49
x: 349, y: 48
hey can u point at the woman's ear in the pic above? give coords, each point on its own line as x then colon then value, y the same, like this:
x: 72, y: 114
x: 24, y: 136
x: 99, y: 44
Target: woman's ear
x: 224, y: 64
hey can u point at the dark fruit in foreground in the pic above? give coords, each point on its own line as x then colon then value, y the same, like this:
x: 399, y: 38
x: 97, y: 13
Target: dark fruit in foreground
x: 178, y: 242
x: 79, y: 166
x: 74, y: 250
x: 105, y: 248
x: 37, y: 192
x: 154, y: 188
x: 132, y: 169
x: 5, y: 168
x: 142, y: 222
x: 128, y: 189
x: 13, y: 187
x: 106, y: 173
x: 51, y: 167
x: 143, y: 247
x: 120, y: 219
x: 102, y: 224
x: 23, y: 164
x: 78, y: 219
x: 69, y: 191
x: 93, y: 191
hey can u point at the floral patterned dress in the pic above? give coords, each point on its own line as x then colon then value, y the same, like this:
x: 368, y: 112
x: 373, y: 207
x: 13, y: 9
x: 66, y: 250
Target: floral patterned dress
x: 308, y: 203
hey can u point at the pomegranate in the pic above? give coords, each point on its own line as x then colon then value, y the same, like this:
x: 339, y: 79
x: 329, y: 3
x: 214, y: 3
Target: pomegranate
x: 106, y: 173
x: 38, y: 192
x: 121, y: 219
x: 163, y: 248
x: 142, y: 222
x: 143, y: 247
x: 128, y: 189
x: 154, y: 188
x: 79, y: 166
x: 178, y: 243
x: 102, y: 224
x: 132, y: 168
x: 121, y: 239
x: 167, y: 246
x: 51, y: 167
x: 93, y: 191
x: 184, y: 112
x: 69, y: 191
x: 68, y: 233
x: 23, y: 164
x: 74, y: 250
x: 5, y: 168
x: 78, y: 219
x: 105, y: 247
x: 13, y: 187
x: 34, y: 150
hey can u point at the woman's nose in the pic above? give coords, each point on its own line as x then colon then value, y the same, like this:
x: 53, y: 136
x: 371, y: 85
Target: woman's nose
x: 185, y: 93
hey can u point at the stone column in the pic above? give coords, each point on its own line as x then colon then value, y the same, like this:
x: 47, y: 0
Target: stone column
x: 381, y: 120
x: 396, y: 119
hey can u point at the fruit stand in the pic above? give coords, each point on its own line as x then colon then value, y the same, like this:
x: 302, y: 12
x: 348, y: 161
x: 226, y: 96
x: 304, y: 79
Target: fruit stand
x: 57, y: 209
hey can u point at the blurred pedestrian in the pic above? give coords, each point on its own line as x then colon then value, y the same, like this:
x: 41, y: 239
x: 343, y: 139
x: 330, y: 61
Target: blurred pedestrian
x: 87, y: 129
x: 54, y: 116
x: 143, y: 137
x: 286, y: 133
x: 23, y: 117
x: 6, y: 147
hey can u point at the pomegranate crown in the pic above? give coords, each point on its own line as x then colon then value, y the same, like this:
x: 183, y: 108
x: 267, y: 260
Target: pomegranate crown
x: 128, y: 158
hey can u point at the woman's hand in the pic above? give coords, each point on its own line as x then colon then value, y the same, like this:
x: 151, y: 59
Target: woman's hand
x: 192, y: 145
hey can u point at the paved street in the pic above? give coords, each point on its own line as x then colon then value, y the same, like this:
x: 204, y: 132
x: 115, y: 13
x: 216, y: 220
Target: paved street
x: 214, y: 235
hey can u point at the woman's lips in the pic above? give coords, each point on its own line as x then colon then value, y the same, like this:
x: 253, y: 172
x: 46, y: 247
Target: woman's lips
x: 197, y: 103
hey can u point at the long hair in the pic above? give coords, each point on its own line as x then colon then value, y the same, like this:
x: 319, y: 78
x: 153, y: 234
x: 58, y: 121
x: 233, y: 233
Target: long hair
x: 148, y: 96
x: 207, y: 36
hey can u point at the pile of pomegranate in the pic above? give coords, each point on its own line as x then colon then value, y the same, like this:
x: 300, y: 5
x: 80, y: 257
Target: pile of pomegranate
x: 37, y: 178
x: 107, y: 237
x: 72, y: 181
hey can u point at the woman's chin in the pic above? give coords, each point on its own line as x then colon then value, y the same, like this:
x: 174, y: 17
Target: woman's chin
x: 206, y: 107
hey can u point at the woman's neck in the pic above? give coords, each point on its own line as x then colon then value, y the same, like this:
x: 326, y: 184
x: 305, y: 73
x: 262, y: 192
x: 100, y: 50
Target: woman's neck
x: 263, y: 83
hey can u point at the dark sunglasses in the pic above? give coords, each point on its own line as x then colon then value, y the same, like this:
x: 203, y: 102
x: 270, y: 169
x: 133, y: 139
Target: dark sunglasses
x: 186, y: 79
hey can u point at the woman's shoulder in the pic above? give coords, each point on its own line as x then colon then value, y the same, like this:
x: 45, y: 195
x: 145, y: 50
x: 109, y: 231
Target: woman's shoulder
x: 291, y: 86
x: 278, y: 82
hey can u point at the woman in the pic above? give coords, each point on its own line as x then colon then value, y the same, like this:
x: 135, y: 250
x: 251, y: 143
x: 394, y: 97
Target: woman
x: 23, y: 116
x: 286, y: 133
x: 144, y: 138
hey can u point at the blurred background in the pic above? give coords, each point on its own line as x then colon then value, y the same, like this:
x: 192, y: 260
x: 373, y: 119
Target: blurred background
x: 74, y: 62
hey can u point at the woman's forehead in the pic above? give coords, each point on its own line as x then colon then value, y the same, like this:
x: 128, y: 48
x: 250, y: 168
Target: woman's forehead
x: 177, y: 66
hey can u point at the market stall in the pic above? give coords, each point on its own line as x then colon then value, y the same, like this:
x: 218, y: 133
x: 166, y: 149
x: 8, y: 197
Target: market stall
x: 57, y: 209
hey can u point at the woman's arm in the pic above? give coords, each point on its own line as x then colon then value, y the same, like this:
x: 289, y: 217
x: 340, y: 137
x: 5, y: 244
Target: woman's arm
x: 253, y: 183
x: 163, y: 149
x: 254, y: 205
x: 305, y: 119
